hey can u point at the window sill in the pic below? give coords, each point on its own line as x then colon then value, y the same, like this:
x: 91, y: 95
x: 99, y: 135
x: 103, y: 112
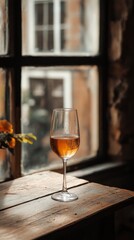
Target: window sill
x: 119, y: 174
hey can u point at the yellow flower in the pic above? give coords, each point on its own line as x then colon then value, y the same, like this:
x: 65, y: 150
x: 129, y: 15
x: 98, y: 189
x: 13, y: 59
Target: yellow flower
x: 8, y: 138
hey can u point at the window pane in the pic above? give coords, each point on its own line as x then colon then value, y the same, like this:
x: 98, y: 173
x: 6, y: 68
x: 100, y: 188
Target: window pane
x: 78, y: 20
x: 50, y: 40
x: 39, y: 14
x: 4, y: 114
x: 63, y: 12
x: 44, y: 89
x: 39, y: 40
x: 50, y: 13
x: 3, y: 27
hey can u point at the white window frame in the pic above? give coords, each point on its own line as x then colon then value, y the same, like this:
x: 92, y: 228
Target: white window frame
x: 65, y: 75
x: 31, y: 26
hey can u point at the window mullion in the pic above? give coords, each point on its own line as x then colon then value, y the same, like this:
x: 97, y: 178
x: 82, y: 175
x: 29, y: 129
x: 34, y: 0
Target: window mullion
x: 15, y: 9
x: 56, y: 25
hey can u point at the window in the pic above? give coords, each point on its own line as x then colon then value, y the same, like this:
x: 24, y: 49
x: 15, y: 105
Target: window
x: 52, y: 57
x: 44, y: 89
x: 60, y: 26
x: 49, y: 28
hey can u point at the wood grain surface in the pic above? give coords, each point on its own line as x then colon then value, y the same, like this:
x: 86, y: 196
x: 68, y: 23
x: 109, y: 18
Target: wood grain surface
x: 28, y: 212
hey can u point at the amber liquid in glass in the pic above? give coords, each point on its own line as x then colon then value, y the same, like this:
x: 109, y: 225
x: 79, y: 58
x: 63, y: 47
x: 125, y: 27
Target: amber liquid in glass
x: 65, y: 146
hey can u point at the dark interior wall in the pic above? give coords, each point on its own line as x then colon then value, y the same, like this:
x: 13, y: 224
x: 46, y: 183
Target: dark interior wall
x: 120, y: 88
x: 121, y: 79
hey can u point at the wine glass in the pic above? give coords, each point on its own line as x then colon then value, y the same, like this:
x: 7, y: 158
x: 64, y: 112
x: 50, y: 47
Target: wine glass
x: 64, y: 141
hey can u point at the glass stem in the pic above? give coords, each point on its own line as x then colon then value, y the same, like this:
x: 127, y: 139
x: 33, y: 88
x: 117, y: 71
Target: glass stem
x: 64, y: 188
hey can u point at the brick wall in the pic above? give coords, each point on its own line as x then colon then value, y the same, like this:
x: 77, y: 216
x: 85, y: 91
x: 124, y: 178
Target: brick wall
x: 121, y: 78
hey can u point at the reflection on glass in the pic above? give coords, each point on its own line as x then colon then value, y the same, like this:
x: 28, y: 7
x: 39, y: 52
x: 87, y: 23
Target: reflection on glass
x: 44, y: 89
x: 3, y: 26
x: 72, y: 27
x: 4, y: 114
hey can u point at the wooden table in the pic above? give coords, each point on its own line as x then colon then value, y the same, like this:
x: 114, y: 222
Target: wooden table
x: 28, y: 212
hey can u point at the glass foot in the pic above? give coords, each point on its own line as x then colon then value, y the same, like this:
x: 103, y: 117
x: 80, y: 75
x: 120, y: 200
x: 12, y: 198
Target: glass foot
x: 64, y: 196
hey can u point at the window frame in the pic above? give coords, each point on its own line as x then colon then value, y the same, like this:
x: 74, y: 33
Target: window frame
x: 56, y: 30
x: 15, y: 61
x: 55, y: 75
